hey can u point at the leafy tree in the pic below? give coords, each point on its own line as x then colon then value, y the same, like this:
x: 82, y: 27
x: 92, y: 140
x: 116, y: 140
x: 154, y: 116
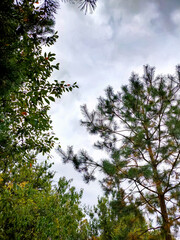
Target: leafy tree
x: 26, y: 92
x: 24, y: 26
x: 139, y: 128
x: 30, y: 208
x: 25, y: 128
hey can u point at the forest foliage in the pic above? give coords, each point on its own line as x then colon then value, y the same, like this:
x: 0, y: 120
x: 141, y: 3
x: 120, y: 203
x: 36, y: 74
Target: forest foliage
x: 31, y: 205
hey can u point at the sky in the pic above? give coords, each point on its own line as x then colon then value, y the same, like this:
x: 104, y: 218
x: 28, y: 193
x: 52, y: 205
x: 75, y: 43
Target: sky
x: 101, y: 49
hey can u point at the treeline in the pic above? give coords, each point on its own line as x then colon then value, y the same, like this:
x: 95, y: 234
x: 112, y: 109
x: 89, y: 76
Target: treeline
x: 139, y: 128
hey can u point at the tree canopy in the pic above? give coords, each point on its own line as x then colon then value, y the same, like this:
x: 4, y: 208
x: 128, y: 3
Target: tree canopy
x: 139, y: 128
x: 25, y: 128
x: 114, y: 218
x: 25, y: 26
x: 30, y: 206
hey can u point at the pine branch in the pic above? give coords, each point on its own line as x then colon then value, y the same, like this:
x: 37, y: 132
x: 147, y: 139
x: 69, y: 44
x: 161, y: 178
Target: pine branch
x: 169, y: 176
x: 145, y: 199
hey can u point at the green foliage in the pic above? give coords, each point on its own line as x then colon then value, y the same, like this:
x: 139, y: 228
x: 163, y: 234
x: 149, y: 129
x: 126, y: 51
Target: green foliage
x: 108, y: 167
x: 24, y: 26
x: 115, y: 219
x: 32, y: 209
x: 139, y: 128
x: 25, y: 128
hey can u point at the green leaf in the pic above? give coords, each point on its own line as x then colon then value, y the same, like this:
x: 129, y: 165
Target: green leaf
x: 47, y: 100
x: 51, y: 98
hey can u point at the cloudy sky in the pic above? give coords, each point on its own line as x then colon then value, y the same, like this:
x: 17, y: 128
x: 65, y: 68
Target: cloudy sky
x: 101, y: 49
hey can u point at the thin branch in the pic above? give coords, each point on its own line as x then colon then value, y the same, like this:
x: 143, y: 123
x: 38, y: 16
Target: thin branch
x: 147, y: 200
x: 173, y: 166
x: 149, y: 229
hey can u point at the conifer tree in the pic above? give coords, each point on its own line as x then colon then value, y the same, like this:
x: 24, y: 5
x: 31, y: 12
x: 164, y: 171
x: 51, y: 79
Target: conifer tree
x: 114, y: 218
x: 139, y: 128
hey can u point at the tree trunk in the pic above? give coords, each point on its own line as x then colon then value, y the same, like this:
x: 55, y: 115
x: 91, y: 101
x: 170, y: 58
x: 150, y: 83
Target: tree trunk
x: 166, y: 225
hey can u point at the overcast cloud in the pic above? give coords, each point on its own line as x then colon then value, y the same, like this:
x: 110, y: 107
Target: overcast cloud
x: 103, y: 49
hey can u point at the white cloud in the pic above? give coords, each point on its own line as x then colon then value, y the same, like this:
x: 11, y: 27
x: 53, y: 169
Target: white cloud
x: 175, y: 17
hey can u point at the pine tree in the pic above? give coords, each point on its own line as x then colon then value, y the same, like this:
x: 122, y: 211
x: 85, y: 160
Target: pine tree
x: 116, y: 218
x: 139, y: 128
